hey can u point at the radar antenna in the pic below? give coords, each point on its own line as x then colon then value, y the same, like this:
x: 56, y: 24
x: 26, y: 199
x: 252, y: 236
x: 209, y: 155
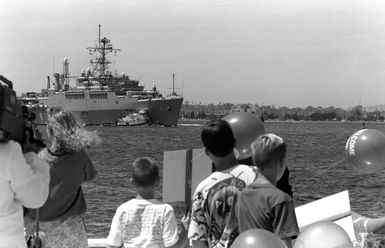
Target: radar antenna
x: 99, y: 62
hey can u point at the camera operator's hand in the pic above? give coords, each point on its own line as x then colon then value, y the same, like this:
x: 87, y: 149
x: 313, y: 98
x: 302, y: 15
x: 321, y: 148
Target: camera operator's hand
x: 28, y: 146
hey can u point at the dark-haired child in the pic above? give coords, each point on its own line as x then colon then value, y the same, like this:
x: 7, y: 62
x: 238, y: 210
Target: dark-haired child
x: 213, y: 221
x: 145, y: 221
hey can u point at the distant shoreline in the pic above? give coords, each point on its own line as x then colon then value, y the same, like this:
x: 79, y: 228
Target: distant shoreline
x: 203, y: 121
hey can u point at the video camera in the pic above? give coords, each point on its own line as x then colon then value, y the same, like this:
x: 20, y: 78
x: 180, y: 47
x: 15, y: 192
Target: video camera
x: 15, y: 119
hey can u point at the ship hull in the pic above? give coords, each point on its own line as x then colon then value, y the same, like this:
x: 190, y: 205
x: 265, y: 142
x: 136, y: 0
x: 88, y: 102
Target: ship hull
x: 163, y: 112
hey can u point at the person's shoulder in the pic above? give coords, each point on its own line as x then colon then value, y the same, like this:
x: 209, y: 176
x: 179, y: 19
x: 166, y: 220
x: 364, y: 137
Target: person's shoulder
x: 10, y: 149
x: 11, y: 145
x: 126, y: 205
x: 247, y: 172
x: 158, y: 202
x: 84, y: 155
x: 205, y: 182
x: 75, y: 158
x: 155, y: 205
x: 164, y: 205
x: 211, y: 180
x: 276, y: 195
x: 282, y: 194
x: 80, y: 153
x: 247, y: 168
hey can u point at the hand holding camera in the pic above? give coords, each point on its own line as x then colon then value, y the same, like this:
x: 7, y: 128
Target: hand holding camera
x: 28, y: 146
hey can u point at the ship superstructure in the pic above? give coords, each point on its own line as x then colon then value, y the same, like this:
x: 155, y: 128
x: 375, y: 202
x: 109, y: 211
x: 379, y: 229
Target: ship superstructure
x: 101, y: 97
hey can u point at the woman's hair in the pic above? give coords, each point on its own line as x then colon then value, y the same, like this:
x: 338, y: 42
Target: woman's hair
x: 145, y: 172
x: 268, y: 148
x: 66, y: 134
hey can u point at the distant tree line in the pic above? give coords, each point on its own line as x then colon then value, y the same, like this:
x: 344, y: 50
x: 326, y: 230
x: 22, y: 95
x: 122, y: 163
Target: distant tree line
x: 270, y: 112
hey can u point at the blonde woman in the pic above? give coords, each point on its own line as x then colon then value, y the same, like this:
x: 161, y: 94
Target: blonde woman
x: 60, y: 217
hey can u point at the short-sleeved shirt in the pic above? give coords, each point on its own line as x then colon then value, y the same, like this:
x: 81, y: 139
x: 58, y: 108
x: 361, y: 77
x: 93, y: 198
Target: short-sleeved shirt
x: 266, y: 207
x: 213, y: 216
x: 143, y: 223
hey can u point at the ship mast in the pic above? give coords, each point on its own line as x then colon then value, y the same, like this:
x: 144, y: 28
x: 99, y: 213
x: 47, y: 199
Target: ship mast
x: 173, y: 84
x: 66, y: 73
x: 100, y: 62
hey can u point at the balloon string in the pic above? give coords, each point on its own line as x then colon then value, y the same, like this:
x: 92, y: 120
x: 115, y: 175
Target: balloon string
x: 323, y: 171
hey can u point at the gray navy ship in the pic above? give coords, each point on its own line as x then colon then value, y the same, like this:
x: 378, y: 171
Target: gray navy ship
x: 100, y: 97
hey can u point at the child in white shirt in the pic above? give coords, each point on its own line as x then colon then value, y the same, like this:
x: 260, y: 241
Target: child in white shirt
x: 145, y: 221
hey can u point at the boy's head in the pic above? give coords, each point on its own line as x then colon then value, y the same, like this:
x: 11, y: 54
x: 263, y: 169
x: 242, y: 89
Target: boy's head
x: 269, y: 149
x: 218, y: 138
x: 145, y: 172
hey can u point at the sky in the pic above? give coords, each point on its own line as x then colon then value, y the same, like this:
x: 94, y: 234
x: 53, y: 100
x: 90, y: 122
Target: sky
x: 292, y: 53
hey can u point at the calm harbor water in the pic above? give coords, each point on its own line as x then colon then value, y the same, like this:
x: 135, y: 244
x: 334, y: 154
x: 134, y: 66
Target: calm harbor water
x: 315, y: 150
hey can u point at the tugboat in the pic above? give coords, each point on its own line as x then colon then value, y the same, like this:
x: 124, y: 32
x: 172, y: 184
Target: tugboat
x: 134, y: 119
x: 100, y: 97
